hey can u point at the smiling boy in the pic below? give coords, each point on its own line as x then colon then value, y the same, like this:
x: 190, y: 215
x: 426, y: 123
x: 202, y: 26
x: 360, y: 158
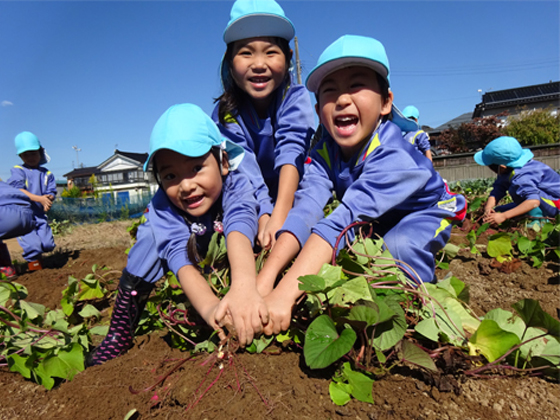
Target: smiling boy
x: 377, y: 176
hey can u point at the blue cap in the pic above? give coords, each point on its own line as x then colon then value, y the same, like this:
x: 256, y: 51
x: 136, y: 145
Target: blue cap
x: 186, y: 129
x: 256, y: 18
x: 504, y: 151
x: 355, y: 50
x: 27, y: 142
x: 411, y: 112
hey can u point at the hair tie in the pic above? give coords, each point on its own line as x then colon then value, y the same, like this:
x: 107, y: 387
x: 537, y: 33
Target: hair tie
x: 198, y: 229
x: 218, y: 226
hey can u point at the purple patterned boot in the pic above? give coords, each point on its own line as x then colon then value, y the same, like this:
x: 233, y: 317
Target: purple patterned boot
x: 132, y: 294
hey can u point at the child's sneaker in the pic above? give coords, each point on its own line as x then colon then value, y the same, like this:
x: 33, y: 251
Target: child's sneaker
x: 34, y: 265
x: 8, y: 271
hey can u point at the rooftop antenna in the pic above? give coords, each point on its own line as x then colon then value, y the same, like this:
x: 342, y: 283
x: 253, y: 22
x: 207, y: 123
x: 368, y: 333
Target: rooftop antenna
x: 77, y: 154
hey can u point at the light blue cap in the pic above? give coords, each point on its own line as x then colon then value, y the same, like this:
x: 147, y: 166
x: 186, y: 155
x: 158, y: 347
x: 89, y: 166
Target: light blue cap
x: 504, y: 151
x: 27, y: 142
x: 411, y: 112
x: 356, y: 50
x: 256, y: 18
x: 186, y: 129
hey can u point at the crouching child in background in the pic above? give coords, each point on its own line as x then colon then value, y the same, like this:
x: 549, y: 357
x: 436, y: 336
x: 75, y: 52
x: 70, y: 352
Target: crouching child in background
x: 200, y: 192
x: 533, y: 186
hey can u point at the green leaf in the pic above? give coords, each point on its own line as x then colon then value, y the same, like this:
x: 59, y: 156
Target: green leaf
x: 451, y: 250
x: 499, y: 245
x: 410, y: 353
x: 340, y: 392
x: 531, y: 312
x: 32, y: 310
x: 66, y: 363
x: 259, y: 344
x: 525, y: 245
x: 390, y: 332
x: 16, y: 363
x: 129, y: 415
x: 90, y: 289
x: 89, y: 311
x: 323, y: 345
x: 361, y: 385
x: 311, y: 283
x: 350, y: 292
x: 42, y: 377
x: 492, y: 341
x: 99, y: 330
x: 367, y: 314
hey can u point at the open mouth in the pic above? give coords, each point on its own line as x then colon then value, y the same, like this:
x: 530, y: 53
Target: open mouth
x: 259, y: 81
x: 193, y: 201
x: 345, y: 125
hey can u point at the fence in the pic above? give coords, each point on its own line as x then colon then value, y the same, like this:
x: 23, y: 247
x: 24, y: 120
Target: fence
x: 92, y: 210
x: 462, y: 166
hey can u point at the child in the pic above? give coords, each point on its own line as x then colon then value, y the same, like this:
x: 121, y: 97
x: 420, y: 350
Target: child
x: 533, y: 186
x: 16, y: 219
x: 376, y: 175
x: 263, y: 110
x: 418, y: 138
x: 195, y: 169
x: 39, y: 185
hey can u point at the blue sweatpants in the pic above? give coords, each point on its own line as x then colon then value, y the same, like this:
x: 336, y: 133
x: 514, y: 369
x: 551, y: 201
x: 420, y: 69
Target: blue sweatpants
x: 38, y: 240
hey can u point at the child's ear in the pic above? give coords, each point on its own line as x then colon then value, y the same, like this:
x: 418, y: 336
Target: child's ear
x: 224, y: 167
x: 388, y: 105
x: 318, y: 112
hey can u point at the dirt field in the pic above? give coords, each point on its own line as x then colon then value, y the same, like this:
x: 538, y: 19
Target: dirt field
x: 272, y: 386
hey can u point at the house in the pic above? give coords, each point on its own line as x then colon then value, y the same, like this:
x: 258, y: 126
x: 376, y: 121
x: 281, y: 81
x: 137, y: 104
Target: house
x: 121, y: 177
x: 515, y: 100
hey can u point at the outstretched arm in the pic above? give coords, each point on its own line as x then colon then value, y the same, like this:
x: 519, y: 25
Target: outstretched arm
x: 202, y: 298
x: 287, y: 186
x: 242, y: 302
x: 281, y: 301
x: 519, y: 210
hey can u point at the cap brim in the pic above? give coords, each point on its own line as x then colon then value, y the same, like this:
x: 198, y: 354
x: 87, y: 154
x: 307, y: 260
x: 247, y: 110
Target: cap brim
x: 479, y: 158
x: 259, y: 25
x: 195, y: 149
x: 317, y: 75
x: 235, y: 154
x: 525, y: 157
x: 405, y: 124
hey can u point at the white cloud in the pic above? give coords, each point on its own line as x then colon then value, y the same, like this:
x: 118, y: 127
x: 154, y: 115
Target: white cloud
x: 7, y: 103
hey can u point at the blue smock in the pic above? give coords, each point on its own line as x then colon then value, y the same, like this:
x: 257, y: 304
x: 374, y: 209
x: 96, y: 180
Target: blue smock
x: 282, y: 138
x: 534, y: 181
x: 162, y: 240
x: 38, y: 181
x: 16, y: 216
x: 418, y: 139
x: 389, y: 182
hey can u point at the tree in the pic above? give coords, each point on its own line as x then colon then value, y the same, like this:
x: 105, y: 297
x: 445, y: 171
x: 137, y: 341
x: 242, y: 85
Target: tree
x: 73, y: 192
x: 472, y: 135
x: 534, y: 127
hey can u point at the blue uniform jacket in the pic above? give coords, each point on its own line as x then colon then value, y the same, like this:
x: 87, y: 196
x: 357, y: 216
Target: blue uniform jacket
x: 283, y: 138
x: 418, y: 139
x: 165, y: 234
x: 387, y: 180
x: 534, y: 181
x: 38, y: 181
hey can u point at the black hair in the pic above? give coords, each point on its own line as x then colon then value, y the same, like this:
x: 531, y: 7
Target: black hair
x: 216, y: 210
x: 229, y: 102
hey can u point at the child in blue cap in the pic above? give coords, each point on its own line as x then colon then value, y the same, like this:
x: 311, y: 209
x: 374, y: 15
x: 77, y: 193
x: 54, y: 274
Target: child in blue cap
x: 418, y: 138
x: 376, y: 175
x: 263, y: 109
x: 16, y: 219
x: 533, y: 186
x: 200, y: 192
x: 39, y: 184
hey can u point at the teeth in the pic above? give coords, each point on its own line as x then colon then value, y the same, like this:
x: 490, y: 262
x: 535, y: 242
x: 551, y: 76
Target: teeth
x: 346, y: 119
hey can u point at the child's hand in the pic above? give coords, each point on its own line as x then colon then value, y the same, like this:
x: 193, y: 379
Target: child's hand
x: 46, y: 202
x: 280, y: 313
x: 495, y: 218
x: 261, y: 239
x: 210, y: 317
x: 248, y: 312
x: 269, y: 233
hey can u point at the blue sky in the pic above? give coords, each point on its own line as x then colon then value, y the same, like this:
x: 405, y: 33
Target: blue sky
x: 97, y: 75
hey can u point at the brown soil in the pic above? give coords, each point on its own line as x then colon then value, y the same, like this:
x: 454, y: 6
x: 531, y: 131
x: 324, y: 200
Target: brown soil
x: 265, y: 386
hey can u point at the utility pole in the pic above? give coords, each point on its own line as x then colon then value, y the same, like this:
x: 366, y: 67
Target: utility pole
x: 77, y: 156
x: 298, y: 63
